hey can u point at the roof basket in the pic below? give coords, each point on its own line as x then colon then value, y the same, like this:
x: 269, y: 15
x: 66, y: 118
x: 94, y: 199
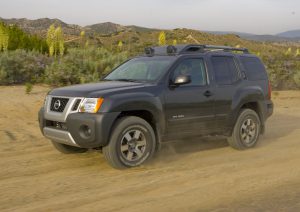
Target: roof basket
x: 149, y: 51
x: 171, y: 49
x: 191, y: 48
x: 227, y: 48
x: 203, y: 48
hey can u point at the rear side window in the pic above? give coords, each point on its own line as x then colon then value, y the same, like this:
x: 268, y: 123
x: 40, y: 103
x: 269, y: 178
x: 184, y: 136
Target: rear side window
x: 254, y: 68
x: 225, y: 70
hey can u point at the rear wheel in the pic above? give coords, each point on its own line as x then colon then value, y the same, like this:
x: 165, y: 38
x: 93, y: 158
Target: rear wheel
x: 132, y: 143
x: 66, y: 149
x: 246, y: 130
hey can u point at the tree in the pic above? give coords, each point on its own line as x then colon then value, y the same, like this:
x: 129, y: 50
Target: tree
x: 82, y: 39
x: 59, y: 38
x: 174, y: 42
x: 82, y: 34
x: 297, y: 53
x: 4, y: 38
x: 162, y: 38
x: 12, y: 38
x: 55, y: 41
x: 297, y: 78
x: 288, y: 51
x: 120, y: 45
x: 51, y: 39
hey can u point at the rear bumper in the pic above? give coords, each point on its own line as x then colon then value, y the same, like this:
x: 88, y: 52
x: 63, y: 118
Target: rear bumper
x: 82, y: 129
x: 269, y: 108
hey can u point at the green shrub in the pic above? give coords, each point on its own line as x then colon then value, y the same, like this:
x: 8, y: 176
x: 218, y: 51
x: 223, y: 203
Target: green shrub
x: 297, y: 78
x: 82, y: 66
x: 28, y: 88
x: 20, y: 66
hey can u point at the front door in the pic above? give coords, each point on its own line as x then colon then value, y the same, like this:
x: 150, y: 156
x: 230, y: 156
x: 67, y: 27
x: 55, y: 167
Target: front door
x: 189, y: 108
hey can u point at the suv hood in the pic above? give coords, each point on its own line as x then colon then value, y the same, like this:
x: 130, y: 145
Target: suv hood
x: 86, y: 90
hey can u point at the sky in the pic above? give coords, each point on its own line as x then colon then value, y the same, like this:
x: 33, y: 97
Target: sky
x: 252, y: 16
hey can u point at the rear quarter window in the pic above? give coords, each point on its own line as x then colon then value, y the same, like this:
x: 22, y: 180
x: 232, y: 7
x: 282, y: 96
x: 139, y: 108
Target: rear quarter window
x: 254, y: 68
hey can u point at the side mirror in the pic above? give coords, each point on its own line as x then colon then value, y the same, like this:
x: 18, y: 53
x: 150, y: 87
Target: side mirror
x: 182, y: 80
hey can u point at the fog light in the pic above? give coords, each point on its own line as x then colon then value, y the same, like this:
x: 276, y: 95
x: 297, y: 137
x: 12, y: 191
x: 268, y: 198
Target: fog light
x: 85, y: 131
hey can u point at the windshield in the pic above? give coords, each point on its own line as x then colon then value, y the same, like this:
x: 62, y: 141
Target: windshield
x: 142, y: 69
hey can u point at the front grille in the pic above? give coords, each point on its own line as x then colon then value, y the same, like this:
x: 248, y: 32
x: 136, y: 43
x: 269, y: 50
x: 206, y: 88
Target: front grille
x: 58, y: 104
x: 76, y: 104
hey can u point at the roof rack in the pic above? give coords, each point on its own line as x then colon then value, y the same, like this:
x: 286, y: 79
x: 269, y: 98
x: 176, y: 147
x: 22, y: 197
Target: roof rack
x: 226, y: 48
x: 190, y: 48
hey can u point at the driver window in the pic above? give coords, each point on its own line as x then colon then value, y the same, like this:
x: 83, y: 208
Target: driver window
x: 193, y: 67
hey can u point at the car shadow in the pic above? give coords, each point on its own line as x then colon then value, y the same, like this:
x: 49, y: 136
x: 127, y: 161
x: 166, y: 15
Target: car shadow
x: 195, y: 144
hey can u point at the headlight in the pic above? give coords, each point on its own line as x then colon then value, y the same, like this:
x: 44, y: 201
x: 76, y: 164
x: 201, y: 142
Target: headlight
x: 45, y: 102
x: 91, y: 105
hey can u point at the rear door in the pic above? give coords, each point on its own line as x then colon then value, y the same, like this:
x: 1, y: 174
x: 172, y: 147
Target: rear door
x: 189, y: 108
x: 227, y: 79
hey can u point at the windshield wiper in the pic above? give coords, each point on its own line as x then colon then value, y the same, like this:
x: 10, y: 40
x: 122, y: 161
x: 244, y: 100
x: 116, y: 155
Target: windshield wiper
x: 126, y: 80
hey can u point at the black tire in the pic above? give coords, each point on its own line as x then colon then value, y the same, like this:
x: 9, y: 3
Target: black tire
x: 132, y: 142
x: 66, y: 149
x: 246, y: 130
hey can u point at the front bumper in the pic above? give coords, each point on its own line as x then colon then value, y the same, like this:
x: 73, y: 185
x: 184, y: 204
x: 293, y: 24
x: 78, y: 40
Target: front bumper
x: 59, y: 136
x: 81, y: 129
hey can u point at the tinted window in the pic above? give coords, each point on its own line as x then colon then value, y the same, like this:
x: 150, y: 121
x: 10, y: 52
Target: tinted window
x: 225, y: 70
x: 193, y: 67
x: 254, y: 68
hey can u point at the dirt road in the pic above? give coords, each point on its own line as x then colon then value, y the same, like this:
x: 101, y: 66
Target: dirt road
x: 196, y: 175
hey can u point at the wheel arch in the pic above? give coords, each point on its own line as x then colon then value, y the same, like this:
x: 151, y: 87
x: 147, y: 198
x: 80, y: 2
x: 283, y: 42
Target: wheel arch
x: 248, y: 98
x: 148, y: 116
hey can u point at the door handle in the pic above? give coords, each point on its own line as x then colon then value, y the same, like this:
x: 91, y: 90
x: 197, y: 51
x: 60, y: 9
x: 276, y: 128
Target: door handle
x: 207, y: 93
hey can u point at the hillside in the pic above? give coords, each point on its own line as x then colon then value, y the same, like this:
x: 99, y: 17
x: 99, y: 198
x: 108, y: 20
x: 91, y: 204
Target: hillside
x: 110, y: 28
x: 105, y: 28
x: 290, y: 34
x: 40, y: 26
x: 281, y: 37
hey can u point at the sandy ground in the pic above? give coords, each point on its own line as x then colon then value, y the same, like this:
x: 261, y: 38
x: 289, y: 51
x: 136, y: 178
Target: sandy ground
x: 196, y: 175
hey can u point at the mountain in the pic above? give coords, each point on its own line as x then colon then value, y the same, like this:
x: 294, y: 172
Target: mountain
x: 141, y: 29
x: 278, y: 37
x: 40, y: 26
x: 110, y: 28
x: 290, y: 34
x: 105, y: 28
x: 273, y: 38
x: 241, y: 34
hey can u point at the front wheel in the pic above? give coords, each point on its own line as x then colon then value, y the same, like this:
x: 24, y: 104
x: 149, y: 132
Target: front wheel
x: 246, y: 130
x: 132, y: 142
